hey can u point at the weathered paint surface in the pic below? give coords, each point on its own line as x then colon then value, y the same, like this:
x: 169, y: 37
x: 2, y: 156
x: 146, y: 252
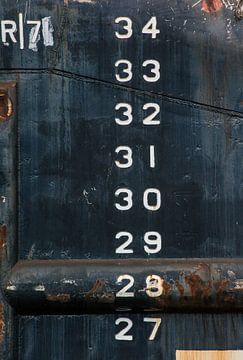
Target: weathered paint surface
x: 59, y: 176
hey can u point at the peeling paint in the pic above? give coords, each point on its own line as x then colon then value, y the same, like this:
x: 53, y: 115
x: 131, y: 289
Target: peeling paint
x: 39, y: 288
x: 47, y: 31
x: 238, y: 284
x: 3, y: 199
x: 229, y: 4
x: 71, y: 282
x: 85, y: 194
x: 11, y: 288
x: 80, y: 1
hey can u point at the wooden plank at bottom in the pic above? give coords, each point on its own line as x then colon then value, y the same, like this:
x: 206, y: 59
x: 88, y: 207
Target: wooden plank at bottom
x: 209, y: 355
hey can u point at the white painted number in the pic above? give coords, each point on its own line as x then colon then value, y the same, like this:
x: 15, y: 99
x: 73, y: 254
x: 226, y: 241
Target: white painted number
x: 154, y: 70
x: 127, y: 199
x: 124, y: 67
x: 154, y: 286
x: 147, y: 204
x: 122, y: 249
x: 152, y: 238
x: 122, y: 335
x: 127, y: 27
x: 151, y: 28
x: 34, y: 36
x: 36, y: 30
x: 127, y: 157
x: 150, y: 120
x: 124, y: 70
x: 152, y: 156
x: 127, y: 113
x: 123, y: 292
x: 153, y: 207
x: 157, y: 322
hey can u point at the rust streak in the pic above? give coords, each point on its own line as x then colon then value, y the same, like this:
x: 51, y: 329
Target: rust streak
x: 207, y: 291
x: 2, y: 323
x: 166, y: 288
x: 62, y: 298
x: 195, y: 283
x: 97, y: 286
x: 3, y: 236
x: 180, y: 288
x: 221, y: 286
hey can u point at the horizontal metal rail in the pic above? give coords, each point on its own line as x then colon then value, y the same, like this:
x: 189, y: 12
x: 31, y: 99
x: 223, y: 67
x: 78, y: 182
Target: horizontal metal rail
x: 83, y: 286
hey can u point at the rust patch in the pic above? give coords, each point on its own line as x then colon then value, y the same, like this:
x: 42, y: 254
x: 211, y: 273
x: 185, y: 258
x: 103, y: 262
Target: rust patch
x: 6, y: 106
x: 2, y: 323
x: 180, y: 288
x: 211, y: 6
x: 108, y: 298
x: 221, y: 286
x: 167, y: 288
x: 207, y: 291
x: 97, y: 287
x: 195, y: 283
x: 62, y: 298
x: 3, y: 236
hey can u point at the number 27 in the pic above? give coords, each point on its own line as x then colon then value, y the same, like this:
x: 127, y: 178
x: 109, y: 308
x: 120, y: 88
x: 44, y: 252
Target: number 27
x: 123, y: 335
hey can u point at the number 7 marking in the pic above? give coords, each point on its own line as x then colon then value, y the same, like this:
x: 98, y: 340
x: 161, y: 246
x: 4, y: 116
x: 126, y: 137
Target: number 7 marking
x: 157, y: 322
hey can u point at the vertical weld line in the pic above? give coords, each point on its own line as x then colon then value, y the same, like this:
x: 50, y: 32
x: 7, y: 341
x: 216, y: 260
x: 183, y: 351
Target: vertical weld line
x: 16, y: 164
x: 14, y: 246
x: 63, y: 22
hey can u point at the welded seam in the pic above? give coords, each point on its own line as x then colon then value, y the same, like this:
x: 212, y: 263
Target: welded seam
x: 61, y: 30
x: 153, y: 94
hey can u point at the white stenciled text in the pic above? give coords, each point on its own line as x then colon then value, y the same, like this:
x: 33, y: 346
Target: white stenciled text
x: 27, y: 33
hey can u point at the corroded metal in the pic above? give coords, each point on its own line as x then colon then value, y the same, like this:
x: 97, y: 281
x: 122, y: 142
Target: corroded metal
x: 239, y: 9
x: 70, y: 286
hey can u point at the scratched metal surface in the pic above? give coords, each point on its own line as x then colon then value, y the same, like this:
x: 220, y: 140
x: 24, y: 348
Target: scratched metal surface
x: 66, y: 94
x: 92, y: 337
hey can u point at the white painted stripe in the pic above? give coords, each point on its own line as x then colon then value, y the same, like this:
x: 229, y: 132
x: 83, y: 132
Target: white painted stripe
x: 152, y: 156
x: 21, y: 31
